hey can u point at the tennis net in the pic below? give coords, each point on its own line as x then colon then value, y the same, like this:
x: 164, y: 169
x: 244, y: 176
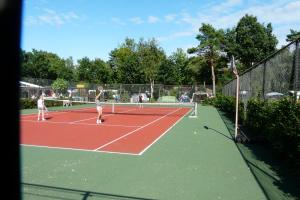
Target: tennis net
x: 123, y: 108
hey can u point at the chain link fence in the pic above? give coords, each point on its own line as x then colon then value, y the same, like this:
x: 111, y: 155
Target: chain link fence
x: 277, y: 75
x: 80, y: 91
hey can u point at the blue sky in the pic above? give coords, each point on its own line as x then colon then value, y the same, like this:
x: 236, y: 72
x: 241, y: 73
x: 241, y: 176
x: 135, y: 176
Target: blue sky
x: 92, y: 28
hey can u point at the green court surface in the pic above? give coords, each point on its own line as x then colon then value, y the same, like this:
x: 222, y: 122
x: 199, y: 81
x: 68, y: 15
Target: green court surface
x: 167, y: 99
x: 190, y: 162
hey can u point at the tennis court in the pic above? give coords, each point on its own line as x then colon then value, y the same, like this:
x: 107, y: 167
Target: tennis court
x: 135, y: 154
x: 130, y: 129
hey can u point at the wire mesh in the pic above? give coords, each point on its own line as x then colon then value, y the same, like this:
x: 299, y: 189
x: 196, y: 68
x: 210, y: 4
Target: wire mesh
x: 277, y: 74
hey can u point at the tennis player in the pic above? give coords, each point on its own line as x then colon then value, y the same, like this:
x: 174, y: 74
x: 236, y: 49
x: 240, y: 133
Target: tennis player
x: 140, y: 101
x: 99, y: 106
x: 41, y: 108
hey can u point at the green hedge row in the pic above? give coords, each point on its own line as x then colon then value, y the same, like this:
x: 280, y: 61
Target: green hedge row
x: 227, y: 105
x: 277, y: 122
x: 274, y: 122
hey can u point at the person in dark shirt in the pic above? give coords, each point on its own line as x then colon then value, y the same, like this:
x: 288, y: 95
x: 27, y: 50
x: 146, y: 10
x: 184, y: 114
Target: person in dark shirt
x: 140, y: 100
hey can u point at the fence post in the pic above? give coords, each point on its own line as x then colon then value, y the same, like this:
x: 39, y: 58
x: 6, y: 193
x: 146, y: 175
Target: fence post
x: 297, y: 68
x: 264, y: 80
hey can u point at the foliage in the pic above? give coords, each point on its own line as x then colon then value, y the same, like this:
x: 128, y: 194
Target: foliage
x: 93, y: 71
x: 145, y: 61
x: 174, y: 92
x: 42, y: 64
x: 275, y: 122
x: 28, y: 103
x: 150, y: 58
x: 210, y: 47
x: 278, y: 122
x: 125, y: 97
x: 32, y: 103
x: 293, y: 35
x: 124, y: 63
x: 254, y: 41
x: 227, y: 105
x: 60, y: 85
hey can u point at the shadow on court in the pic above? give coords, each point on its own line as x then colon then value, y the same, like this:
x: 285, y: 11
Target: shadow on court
x: 278, y: 179
x: 216, y: 131
x: 38, y: 191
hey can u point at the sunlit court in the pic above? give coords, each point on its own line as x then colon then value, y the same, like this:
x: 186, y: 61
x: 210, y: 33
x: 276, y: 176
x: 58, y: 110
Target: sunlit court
x: 129, y: 129
x: 154, y: 100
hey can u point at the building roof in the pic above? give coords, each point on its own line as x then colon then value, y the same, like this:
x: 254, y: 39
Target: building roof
x: 26, y: 84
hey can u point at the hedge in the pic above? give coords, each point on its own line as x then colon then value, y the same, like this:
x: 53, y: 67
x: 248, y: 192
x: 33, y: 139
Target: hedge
x: 275, y: 122
x: 32, y: 103
x: 227, y: 105
x: 278, y: 122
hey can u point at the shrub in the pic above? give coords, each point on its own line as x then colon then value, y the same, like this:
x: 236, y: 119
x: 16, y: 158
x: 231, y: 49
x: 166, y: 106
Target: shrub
x: 227, y: 105
x: 278, y: 123
x: 28, y: 103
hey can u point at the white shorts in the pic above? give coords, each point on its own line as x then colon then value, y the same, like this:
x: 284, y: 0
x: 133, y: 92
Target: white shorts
x: 41, y: 108
x: 99, y: 108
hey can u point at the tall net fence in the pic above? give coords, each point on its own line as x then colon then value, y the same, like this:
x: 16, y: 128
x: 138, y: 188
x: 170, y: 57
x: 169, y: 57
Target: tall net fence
x: 279, y: 74
x: 79, y: 91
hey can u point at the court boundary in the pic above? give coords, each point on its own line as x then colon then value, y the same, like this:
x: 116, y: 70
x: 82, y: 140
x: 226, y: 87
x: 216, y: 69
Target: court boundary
x: 115, y: 140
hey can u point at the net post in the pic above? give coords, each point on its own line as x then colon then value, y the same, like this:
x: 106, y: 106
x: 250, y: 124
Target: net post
x: 195, y: 113
x: 113, y: 108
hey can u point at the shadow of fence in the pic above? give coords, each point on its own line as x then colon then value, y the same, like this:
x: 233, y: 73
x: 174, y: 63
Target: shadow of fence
x: 38, y: 191
x: 278, y: 179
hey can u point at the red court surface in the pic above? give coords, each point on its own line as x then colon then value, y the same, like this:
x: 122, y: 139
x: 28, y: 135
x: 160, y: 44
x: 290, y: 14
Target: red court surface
x: 128, y: 131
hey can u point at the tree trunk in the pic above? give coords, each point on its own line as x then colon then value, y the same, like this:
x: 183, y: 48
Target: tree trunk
x: 151, y: 85
x: 213, y: 77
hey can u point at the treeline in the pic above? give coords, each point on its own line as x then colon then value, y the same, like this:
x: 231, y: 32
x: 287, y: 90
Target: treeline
x: 132, y: 62
x: 144, y: 61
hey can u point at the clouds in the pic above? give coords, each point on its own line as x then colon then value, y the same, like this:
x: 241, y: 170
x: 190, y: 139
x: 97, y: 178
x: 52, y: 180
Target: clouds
x: 226, y: 5
x: 173, y: 24
x: 136, y: 20
x: 281, y: 14
x: 52, y: 18
x: 152, y: 19
x: 118, y: 21
x: 175, y: 35
x: 170, y: 17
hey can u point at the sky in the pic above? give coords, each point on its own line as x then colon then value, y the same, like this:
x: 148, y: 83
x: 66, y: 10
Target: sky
x: 93, y: 28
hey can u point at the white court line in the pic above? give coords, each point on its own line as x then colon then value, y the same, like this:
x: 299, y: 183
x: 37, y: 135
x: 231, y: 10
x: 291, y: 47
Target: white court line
x: 77, y: 149
x: 68, y: 123
x: 56, y: 112
x: 135, y: 130
x: 163, y: 133
x: 97, y: 117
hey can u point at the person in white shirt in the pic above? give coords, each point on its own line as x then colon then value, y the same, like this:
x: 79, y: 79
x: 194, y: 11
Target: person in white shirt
x: 41, y: 108
x: 99, y: 106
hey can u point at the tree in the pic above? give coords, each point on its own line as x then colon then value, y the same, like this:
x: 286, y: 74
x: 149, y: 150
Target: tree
x: 199, y: 70
x: 45, y: 65
x: 83, y: 71
x: 68, y: 71
x: 166, y: 73
x: 93, y: 71
x: 150, y: 57
x: 124, y: 63
x: 210, y: 47
x: 179, y: 61
x: 254, y: 41
x: 60, y: 85
x: 293, y: 35
x: 36, y: 65
x: 103, y: 71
